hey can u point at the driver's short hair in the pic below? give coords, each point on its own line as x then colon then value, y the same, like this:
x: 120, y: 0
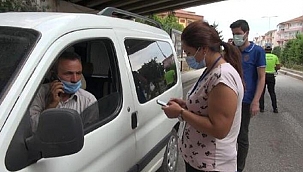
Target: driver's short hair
x: 66, y: 55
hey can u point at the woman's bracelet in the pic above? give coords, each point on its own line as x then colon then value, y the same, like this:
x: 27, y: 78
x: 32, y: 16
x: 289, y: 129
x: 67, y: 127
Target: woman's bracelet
x: 180, y: 115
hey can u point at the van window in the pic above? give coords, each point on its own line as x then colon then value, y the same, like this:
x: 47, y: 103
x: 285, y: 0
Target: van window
x: 16, y: 44
x: 153, y: 67
x: 99, y: 80
x: 102, y: 79
x: 104, y: 84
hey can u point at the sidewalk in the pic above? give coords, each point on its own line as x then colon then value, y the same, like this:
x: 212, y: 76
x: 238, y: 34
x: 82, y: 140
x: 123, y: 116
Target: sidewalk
x: 188, y: 76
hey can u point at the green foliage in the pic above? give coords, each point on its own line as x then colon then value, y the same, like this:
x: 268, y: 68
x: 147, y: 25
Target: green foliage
x: 292, y: 54
x: 21, y: 5
x: 152, y: 70
x: 277, y: 51
x: 169, y: 22
x: 219, y: 32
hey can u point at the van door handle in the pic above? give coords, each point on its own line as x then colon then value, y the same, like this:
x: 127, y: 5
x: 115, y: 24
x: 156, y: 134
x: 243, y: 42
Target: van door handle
x: 134, y: 120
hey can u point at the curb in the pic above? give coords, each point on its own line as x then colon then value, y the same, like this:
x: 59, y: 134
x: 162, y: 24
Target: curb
x: 292, y: 73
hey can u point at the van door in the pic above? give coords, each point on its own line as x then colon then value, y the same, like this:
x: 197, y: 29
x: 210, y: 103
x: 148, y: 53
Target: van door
x: 150, y: 59
x: 109, y: 144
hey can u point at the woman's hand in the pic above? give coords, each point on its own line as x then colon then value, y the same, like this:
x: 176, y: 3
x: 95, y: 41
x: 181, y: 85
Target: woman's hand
x: 172, y: 110
x: 181, y: 102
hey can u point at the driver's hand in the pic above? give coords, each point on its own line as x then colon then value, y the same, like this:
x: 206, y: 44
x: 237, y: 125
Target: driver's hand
x: 56, y: 88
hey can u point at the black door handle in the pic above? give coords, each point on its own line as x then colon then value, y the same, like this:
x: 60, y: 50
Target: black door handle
x: 134, y: 120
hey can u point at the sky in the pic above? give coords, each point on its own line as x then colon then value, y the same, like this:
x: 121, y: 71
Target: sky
x: 261, y: 15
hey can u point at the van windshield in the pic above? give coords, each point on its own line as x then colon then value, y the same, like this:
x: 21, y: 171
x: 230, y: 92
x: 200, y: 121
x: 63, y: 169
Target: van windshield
x: 16, y: 44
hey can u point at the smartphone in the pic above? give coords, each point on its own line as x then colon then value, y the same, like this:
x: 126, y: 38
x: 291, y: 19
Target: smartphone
x: 54, y: 77
x: 161, y: 103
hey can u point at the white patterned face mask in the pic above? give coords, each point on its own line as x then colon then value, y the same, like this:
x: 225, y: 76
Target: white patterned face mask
x: 239, y: 39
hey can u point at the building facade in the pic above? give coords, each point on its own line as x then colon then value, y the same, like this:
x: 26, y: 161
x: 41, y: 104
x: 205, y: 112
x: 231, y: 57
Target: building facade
x: 271, y: 37
x: 184, y: 17
x: 286, y: 31
x: 289, y: 29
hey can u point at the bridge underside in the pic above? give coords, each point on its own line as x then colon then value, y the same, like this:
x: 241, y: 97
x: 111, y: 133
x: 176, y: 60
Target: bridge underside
x: 142, y: 7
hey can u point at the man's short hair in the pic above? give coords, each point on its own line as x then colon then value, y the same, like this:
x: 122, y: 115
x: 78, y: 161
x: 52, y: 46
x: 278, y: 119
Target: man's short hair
x: 66, y: 56
x: 240, y: 23
x: 69, y: 56
x: 268, y: 47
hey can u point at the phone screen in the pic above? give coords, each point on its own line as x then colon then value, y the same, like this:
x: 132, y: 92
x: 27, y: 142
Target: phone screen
x: 161, y: 103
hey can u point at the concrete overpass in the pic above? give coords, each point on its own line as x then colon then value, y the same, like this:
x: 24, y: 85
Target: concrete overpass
x: 142, y: 7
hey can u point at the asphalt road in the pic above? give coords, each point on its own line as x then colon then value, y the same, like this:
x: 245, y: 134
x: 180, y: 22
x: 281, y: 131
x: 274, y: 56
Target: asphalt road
x: 275, y: 139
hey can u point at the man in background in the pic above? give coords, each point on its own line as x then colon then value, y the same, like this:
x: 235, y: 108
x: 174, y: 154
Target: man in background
x: 253, y: 64
x: 272, y: 65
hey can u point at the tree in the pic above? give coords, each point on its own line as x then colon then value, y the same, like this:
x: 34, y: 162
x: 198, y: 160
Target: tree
x: 292, y: 54
x: 299, y: 49
x: 21, y: 5
x: 219, y: 32
x: 152, y: 70
x: 277, y: 51
x: 168, y: 22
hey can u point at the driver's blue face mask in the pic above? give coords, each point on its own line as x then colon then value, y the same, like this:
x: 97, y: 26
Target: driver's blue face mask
x: 71, y: 88
x: 191, y: 61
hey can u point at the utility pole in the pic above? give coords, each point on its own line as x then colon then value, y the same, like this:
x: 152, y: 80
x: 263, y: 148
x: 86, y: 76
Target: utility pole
x: 269, y: 17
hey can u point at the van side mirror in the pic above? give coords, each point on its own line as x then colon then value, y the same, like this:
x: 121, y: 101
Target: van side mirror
x: 59, y: 132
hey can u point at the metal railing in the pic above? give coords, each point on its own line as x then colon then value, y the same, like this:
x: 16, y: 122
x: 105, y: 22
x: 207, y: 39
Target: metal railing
x: 115, y: 12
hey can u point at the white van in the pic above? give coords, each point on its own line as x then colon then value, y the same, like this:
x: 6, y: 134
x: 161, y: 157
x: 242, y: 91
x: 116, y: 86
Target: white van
x: 132, y: 132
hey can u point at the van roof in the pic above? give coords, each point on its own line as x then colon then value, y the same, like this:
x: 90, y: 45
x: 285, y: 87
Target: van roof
x: 65, y: 22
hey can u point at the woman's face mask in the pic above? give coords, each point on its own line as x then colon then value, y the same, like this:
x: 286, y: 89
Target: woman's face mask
x: 239, y: 40
x: 191, y: 61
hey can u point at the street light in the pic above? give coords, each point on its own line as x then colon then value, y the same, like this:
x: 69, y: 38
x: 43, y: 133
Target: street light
x: 269, y: 17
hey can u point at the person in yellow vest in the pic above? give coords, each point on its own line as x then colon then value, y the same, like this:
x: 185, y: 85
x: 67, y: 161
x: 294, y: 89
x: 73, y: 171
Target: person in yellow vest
x: 170, y: 77
x: 272, y: 66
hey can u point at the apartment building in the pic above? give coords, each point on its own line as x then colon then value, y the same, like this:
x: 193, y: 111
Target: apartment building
x: 184, y: 17
x: 287, y: 30
x: 271, y: 37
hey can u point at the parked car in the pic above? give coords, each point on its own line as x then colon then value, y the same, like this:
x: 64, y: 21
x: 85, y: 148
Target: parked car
x: 132, y: 132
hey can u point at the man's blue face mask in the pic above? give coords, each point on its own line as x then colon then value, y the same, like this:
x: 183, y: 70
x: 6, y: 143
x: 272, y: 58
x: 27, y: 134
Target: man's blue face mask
x: 71, y: 88
x: 191, y: 61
